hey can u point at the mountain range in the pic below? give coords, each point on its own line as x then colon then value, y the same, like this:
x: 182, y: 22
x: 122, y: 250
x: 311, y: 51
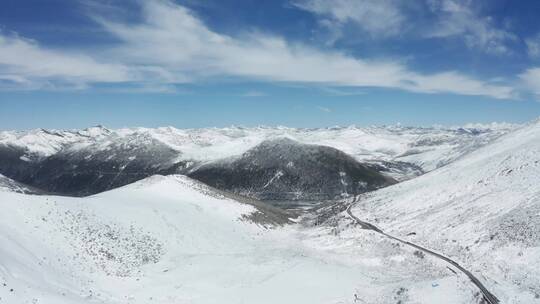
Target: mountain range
x: 89, y: 161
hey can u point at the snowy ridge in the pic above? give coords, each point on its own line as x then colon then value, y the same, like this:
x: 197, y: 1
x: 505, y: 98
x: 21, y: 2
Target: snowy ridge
x: 483, y: 209
x: 42, y: 143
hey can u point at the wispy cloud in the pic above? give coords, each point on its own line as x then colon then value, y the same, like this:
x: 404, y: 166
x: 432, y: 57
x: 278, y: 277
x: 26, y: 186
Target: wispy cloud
x: 343, y: 91
x: 383, y: 19
x: 533, y: 46
x: 376, y: 17
x: 324, y: 109
x: 253, y: 94
x: 456, y: 18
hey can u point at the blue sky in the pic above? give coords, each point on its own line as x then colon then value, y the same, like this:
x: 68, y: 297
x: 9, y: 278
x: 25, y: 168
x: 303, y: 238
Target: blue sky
x: 303, y: 63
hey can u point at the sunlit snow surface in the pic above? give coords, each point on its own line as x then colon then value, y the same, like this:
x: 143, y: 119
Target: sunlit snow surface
x: 173, y: 240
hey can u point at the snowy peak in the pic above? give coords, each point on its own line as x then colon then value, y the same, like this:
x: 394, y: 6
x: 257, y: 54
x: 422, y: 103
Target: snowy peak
x: 98, y: 131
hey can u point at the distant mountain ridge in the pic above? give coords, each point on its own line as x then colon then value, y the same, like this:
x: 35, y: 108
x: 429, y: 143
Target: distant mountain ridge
x: 82, y: 162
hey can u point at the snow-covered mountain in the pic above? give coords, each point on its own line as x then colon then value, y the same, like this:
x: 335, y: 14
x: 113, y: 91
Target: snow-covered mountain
x: 286, y: 170
x: 81, y: 162
x: 428, y: 148
x: 483, y: 210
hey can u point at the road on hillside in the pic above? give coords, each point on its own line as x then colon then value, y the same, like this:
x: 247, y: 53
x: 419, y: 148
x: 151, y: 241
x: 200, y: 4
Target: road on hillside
x: 488, y: 296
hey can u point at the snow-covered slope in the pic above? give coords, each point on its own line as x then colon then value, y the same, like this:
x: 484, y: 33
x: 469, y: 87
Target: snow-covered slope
x: 482, y: 210
x: 9, y: 185
x: 174, y: 240
x: 59, y: 249
x: 41, y: 143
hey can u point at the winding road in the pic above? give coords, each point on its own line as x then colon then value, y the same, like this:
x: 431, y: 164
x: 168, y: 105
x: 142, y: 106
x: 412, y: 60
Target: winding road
x: 488, y: 296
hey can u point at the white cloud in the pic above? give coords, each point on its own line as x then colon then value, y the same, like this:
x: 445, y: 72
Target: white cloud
x: 531, y: 79
x: 24, y: 63
x: 457, y: 19
x: 376, y: 17
x: 172, y: 38
x: 533, y: 46
x: 324, y: 109
x: 170, y: 45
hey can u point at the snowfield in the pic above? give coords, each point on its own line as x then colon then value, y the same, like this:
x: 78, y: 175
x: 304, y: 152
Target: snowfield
x: 174, y: 240
x: 482, y: 210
